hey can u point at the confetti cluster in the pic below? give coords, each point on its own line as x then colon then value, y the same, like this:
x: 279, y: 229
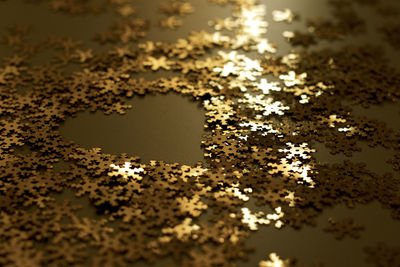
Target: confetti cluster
x: 264, y: 115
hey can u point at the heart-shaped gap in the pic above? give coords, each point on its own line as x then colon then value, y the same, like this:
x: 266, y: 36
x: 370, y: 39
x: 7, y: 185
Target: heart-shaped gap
x: 158, y: 127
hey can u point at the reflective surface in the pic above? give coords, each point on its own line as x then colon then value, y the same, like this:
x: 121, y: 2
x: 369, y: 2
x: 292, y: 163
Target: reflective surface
x: 248, y: 103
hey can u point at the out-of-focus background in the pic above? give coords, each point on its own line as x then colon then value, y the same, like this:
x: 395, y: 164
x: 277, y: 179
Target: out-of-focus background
x: 169, y: 127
